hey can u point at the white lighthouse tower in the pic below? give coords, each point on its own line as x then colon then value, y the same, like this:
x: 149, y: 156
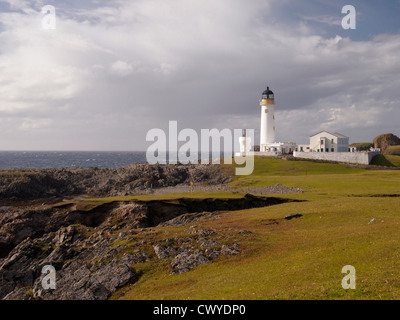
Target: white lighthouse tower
x: 268, y: 145
x: 267, y: 132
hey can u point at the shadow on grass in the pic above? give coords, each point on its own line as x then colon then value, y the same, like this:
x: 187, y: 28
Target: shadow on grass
x: 381, y: 160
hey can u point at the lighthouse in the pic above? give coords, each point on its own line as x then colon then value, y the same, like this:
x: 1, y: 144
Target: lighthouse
x: 267, y: 132
x: 269, y: 147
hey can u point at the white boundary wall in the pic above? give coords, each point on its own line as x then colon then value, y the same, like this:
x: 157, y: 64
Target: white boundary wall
x: 347, y: 157
x: 268, y: 153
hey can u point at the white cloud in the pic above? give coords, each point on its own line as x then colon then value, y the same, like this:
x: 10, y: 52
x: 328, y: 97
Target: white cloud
x: 113, y: 72
x: 32, y: 124
x: 121, y: 68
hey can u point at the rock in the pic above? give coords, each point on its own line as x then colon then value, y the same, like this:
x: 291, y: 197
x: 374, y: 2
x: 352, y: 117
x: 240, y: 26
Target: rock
x: 212, y: 253
x: 163, y: 252
x: 85, y: 282
x: 384, y: 141
x: 184, y: 261
x: 293, y: 216
x: 230, y: 251
x: 186, y: 239
x: 184, y: 219
x: 64, y: 182
x: 130, y: 259
x: 245, y: 232
x: 209, y: 243
x: 64, y: 236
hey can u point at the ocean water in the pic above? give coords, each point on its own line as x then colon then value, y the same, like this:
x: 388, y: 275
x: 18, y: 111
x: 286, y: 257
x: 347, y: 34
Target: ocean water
x: 60, y: 159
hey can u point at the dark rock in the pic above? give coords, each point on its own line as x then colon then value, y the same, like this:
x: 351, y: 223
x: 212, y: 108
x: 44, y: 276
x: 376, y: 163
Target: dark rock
x: 230, y: 251
x: 293, y: 216
x: 63, y: 182
x: 81, y: 281
x: 212, y: 253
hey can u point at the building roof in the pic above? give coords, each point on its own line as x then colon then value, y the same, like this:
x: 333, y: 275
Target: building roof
x: 268, y: 93
x: 336, y: 134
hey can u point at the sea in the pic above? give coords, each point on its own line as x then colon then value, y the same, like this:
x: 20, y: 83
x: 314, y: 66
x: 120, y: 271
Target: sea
x: 61, y: 159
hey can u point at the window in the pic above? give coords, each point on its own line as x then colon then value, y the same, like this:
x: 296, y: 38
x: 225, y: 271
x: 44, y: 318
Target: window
x: 322, y: 150
x: 333, y: 141
x: 327, y: 150
x: 322, y: 141
x: 333, y: 149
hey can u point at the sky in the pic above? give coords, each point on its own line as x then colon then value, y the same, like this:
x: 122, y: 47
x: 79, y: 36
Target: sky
x: 113, y: 70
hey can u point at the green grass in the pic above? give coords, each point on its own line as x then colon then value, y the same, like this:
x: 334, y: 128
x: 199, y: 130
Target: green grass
x: 362, y: 146
x: 386, y: 161
x: 393, y: 150
x: 297, y: 259
x: 264, y: 166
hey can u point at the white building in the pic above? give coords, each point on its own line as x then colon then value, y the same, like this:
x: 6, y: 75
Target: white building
x: 244, y: 143
x: 267, y: 128
x: 325, y: 141
x: 303, y: 148
x: 268, y: 145
x: 323, y: 145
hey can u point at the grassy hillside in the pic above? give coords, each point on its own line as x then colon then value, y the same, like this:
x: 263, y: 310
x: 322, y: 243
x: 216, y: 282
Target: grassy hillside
x: 350, y: 217
x: 387, y: 161
x: 298, y: 259
x: 393, y: 150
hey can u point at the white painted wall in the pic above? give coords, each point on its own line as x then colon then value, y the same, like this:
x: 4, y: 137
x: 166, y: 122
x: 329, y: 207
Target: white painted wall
x: 347, y: 157
x: 267, y: 129
x: 329, y: 141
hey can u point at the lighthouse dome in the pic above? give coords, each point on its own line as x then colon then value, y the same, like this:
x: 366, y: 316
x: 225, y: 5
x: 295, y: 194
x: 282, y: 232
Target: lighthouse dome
x: 268, y: 94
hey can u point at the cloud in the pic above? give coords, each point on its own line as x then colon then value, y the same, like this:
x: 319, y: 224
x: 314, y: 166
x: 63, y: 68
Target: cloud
x: 121, y: 68
x: 325, y: 19
x: 111, y: 72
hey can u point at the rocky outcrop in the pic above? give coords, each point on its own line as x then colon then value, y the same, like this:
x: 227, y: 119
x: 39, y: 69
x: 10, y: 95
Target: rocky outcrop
x: 95, y: 251
x: 18, y: 224
x: 163, y: 252
x: 186, y: 261
x: 386, y: 140
x: 83, y: 281
x: 88, y: 268
x: 91, y: 264
x: 44, y: 183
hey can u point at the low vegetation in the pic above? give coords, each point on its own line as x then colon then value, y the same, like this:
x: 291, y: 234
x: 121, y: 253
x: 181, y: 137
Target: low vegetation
x: 386, y: 161
x: 393, y: 150
x: 350, y: 218
x: 362, y: 146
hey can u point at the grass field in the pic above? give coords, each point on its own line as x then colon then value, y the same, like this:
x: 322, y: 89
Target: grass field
x: 393, y: 150
x: 386, y: 160
x: 352, y: 217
